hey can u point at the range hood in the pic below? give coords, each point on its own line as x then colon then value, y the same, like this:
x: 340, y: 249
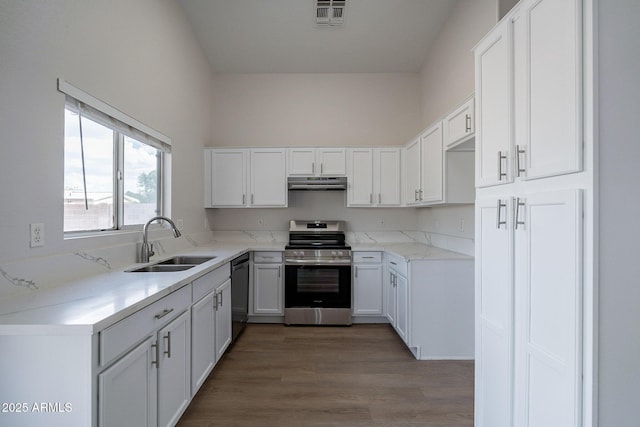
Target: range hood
x: 322, y: 183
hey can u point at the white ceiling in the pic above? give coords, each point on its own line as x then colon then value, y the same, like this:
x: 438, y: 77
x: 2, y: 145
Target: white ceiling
x: 281, y: 36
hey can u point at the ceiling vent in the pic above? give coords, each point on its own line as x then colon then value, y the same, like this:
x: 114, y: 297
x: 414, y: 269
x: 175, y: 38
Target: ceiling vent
x: 330, y: 12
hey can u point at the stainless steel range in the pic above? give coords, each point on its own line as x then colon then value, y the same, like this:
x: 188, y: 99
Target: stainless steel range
x: 317, y: 274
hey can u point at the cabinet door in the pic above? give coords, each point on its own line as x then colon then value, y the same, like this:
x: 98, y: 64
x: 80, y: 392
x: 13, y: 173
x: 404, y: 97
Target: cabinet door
x: 228, y: 178
x: 360, y: 191
x: 268, y: 177
x: 494, y: 312
x: 128, y: 389
x: 432, y: 157
x: 268, y: 289
x: 302, y: 161
x: 331, y: 161
x: 548, y: 87
x: 174, y: 369
x: 367, y: 289
x: 223, y: 318
x: 459, y: 125
x: 412, y: 177
x: 390, y: 303
x: 386, y: 173
x: 402, y: 307
x: 203, y: 334
x: 493, y: 71
x: 548, y: 301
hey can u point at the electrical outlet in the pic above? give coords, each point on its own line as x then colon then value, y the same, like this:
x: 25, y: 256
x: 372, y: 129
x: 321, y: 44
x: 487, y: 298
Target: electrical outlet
x: 37, y: 235
x: 381, y: 222
x: 260, y: 222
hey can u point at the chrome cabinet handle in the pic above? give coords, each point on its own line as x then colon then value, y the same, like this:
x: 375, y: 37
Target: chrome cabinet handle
x: 499, y: 208
x: 155, y: 346
x: 415, y: 195
x: 500, y: 172
x: 379, y: 198
x: 279, y: 271
x: 467, y: 123
x: 420, y: 194
x: 519, y: 202
x: 164, y: 313
x: 519, y: 169
x: 168, y: 350
x: 251, y: 198
x: 244, y: 199
x: 321, y: 168
x: 370, y: 198
x: 313, y: 167
x: 356, y: 272
x: 215, y: 302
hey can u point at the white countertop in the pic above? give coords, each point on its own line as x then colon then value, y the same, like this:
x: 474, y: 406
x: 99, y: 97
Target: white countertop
x: 410, y: 251
x: 89, y: 305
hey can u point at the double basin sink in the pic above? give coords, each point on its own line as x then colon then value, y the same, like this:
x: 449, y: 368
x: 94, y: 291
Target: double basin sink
x: 176, y: 263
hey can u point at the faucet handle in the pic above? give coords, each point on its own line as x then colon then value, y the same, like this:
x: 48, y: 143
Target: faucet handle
x: 151, y: 252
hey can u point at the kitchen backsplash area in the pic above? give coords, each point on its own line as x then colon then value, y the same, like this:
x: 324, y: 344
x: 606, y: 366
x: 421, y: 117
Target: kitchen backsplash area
x: 25, y: 277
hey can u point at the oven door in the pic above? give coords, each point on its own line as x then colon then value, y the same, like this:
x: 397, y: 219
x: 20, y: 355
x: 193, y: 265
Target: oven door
x: 326, y: 286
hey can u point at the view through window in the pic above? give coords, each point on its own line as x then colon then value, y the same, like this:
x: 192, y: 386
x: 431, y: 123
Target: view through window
x: 111, y: 180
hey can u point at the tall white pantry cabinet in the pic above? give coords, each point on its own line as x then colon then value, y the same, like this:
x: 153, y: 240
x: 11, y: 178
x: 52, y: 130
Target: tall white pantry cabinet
x: 534, y: 198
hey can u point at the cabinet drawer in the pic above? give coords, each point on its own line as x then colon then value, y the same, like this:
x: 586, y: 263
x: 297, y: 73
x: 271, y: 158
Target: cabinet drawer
x: 399, y: 265
x: 207, y: 283
x: 367, y: 257
x: 126, y: 333
x: 272, y: 256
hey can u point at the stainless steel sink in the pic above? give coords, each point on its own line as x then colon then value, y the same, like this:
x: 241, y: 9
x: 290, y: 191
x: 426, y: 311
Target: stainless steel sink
x: 177, y: 263
x: 186, y: 259
x: 161, y: 268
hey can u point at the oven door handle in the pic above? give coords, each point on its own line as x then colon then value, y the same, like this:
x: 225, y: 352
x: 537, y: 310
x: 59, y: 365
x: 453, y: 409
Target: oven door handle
x: 345, y: 262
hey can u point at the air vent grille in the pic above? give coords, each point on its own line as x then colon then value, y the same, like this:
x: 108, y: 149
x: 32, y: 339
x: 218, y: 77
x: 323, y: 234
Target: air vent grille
x: 330, y: 12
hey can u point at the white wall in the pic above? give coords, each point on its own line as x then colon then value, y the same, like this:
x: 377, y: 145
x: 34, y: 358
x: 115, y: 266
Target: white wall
x: 619, y: 204
x: 447, y: 78
x: 315, y: 109
x: 140, y: 57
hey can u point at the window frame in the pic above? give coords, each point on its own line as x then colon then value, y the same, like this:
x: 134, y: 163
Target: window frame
x: 122, y: 126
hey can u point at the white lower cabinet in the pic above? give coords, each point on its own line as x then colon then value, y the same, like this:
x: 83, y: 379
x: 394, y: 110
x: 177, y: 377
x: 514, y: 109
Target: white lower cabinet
x: 223, y: 318
x: 128, y: 389
x: 430, y: 305
x: 368, y: 292
x: 174, y: 369
x: 203, y: 340
x: 268, y: 284
x: 528, y: 309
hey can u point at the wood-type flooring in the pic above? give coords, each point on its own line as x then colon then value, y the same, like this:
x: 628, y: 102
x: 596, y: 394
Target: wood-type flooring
x: 361, y: 375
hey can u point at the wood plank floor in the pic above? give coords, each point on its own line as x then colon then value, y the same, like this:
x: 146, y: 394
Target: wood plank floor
x: 361, y: 375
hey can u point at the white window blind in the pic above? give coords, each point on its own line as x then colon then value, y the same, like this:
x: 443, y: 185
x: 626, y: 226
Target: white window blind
x: 105, y: 114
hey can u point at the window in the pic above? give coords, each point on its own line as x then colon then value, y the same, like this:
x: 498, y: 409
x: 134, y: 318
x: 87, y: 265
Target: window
x: 113, y: 167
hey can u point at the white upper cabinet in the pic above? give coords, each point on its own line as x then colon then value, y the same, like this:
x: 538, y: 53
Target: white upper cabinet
x: 432, y: 157
x: 386, y: 176
x: 374, y: 176
x: 528, y: 94
x: 411, y: 172
x: 245, y: 177
x: 225, y: 177
x: 547, y: 88
x: 317, y: 162
x: 268, y: 177
x: 360, y: 177
x: 493, y: 99
x: 434, y: 176
x: 459, y: 125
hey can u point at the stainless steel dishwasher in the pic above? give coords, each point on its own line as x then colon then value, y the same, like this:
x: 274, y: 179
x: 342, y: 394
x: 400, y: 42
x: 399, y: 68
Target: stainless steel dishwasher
x: 239, y: 294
